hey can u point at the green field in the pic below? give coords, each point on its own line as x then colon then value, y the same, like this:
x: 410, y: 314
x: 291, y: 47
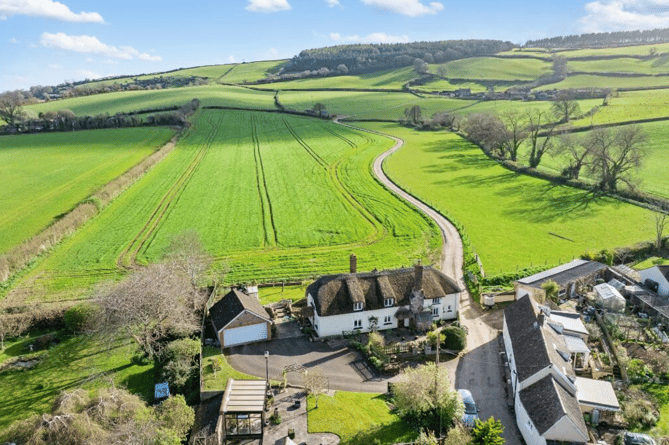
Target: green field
x: 271, y: 196
x: 446, y: 85
x: 391, y: 80
x: 593, y: 81
x: 659, y: 65
x: 638, y: 50
x: 125, y: 101
x: 512, y: 220
x: 75, y: 362
x: 249, y: 72
x: 629, y: 106
x: 494, y: 68
x: 46, y: 175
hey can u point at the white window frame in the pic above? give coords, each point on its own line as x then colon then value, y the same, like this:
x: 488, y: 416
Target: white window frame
x: 448, y: 309
x: 387, y: 320
x: 435, y: 311
x: 436, y: 301
x: 357, y: 324
x: 358, y: 306
x: 388, y: 302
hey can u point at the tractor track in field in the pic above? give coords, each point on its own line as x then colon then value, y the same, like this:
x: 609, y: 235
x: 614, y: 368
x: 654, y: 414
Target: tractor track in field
x: 128, y: 258
x: 306, y: 146
x: 340, y: 136
x: 263, y: 191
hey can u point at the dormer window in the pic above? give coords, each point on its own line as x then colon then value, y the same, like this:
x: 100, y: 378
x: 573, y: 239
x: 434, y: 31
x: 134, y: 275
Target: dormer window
x: 388, y: 302
x: 436, y: 301
x: 357, y: 306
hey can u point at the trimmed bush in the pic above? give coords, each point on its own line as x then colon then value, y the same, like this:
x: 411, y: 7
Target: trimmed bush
x: 456, y: 338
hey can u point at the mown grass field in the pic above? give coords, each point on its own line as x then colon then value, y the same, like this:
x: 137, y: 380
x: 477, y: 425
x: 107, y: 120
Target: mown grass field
x: 249, y: 72
x: 630, y: 106
x: 358, y: 419
x: 494, y: 68
x: 126, y: 101
x: 658, y: 65
x: 512, y: 220
x: 594, y: 81
x: 77, y: 361
x: 638, y: 50
x: 46, y: 175
x: 271, y: 196
x: 392, y: 80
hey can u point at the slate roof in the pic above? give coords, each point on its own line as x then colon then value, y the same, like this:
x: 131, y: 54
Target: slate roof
x: 664, y: 270
x: 546, y: 402
x: 335, y: 294
x: 233, y: 304
x: 535, y: 346
x: 565, y: 273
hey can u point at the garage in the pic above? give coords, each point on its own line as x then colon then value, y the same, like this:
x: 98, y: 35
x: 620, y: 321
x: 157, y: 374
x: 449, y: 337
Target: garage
x: 245, y: 334
x: 239, y: 319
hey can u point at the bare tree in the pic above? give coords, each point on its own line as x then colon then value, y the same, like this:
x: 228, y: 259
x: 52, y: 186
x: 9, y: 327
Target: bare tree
x: 661, y: 222
x: 414, y: 115
x: 11, y: 110
x: 569, y: 143
x: 316, y: 383
x: 540, y: 131
x: 13, y: 325
x: 616, y: 156
x: 188, y: 257
x: 147, y: 306
x: 488, y: 131
x: 516, y: 132
x: 565, y: 107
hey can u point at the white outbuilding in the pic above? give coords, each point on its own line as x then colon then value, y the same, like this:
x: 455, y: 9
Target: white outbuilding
x: 609, y: 298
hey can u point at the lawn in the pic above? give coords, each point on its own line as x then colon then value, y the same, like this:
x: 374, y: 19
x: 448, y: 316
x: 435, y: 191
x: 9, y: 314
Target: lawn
x: 661, y: 394
x: 275, y: 294
x: 126, y: 101
x: 273, y: 198
x: 650, y: 262
x: 513, y: 221
x: 358, y: 419
x: 217, y: 381
x: 75, y: 362
x: 46, y: 175
x: 494, y: 68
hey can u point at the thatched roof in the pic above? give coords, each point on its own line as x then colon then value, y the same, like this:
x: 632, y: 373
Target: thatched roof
x: 335, y: 294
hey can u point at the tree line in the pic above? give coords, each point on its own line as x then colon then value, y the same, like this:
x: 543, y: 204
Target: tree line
x: 360, y: 58
x: 609, y: 156
x: 12, y: 112
x: 602, y: 39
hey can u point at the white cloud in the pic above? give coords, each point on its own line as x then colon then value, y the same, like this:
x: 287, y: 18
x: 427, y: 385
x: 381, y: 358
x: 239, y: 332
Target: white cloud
x: 268, y: 5
x: 231, y: 59
x: 272, y: 53
x: 48, y: 9
x: 625, y: 15
x: 91, y: 44
x: 376, y: 37
x: 55, y: 66
x: 86, y: 74
x: 13, y: 40
x: 332, y: 3
x: 89, y: 60
x: 412, y: 8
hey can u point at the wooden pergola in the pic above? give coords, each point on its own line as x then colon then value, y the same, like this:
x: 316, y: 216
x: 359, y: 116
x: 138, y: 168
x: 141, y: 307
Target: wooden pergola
x: 242, y: 409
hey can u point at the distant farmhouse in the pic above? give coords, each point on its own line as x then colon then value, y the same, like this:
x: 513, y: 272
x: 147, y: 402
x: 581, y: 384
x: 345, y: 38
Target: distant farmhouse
x: 363, y: 301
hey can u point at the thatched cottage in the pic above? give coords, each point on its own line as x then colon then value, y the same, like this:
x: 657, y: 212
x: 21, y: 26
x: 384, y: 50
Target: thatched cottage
x: 381, y: 300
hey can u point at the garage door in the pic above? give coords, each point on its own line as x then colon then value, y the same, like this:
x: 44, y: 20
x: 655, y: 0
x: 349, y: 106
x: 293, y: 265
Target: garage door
x: 245, y: 334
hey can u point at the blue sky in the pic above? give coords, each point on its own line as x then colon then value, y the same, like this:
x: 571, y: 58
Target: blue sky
x: 45, y: 42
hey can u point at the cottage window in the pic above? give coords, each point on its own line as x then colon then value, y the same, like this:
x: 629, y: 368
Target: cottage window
x: 436, y: 301
x: 357, y: 306
x: 357, y: 324
x: 435, y: 312
x: 387, y: 320
x: 562, y: 292
x: 447, y: 309
x: 388, y: 302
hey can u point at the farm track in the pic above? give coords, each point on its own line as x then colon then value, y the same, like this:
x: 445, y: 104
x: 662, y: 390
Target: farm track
x: 269, y: 227
x: 128, y: 258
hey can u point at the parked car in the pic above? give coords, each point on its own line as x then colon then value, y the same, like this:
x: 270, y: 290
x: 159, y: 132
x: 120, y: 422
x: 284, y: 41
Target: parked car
x: 637, y: 439
x: 471, y: 410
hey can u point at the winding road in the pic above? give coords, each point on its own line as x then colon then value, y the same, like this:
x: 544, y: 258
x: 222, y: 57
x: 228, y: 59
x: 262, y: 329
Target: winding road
x: 479, y: 369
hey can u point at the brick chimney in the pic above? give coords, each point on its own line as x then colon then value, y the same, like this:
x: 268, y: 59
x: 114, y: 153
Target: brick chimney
x: 353, y: 263
x: 418, y: 277
x: 541, y: 318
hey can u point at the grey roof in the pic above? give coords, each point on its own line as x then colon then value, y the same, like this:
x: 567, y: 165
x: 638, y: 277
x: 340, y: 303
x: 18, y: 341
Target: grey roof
x: 335, y: 294
x: 597, y: 393
x: 233, y: 304
x: 565, y: 273
x: 546, y: 402
x: 571, y: 321
x: 244, y: 396
x: 535, y: 346
x: 664, y: 270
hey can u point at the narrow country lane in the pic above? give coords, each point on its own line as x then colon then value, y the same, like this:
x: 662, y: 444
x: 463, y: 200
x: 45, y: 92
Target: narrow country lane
x: 479, y: 369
